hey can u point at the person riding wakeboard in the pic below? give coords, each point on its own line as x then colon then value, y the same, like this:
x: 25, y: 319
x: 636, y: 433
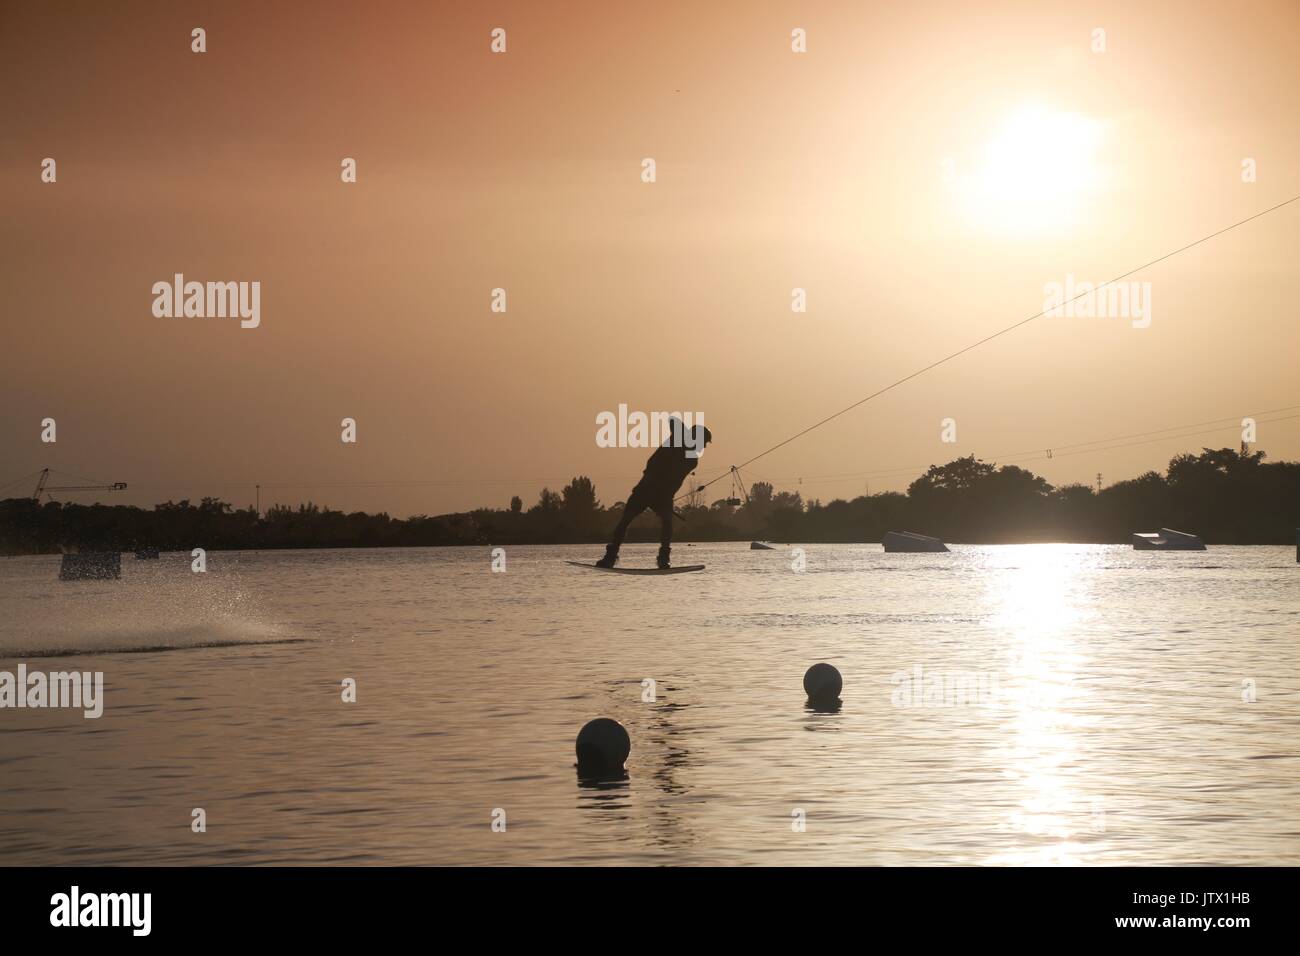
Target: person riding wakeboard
x: 664, y: 473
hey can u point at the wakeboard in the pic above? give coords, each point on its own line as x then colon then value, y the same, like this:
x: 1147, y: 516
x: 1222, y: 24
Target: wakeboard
x: 680, y: 569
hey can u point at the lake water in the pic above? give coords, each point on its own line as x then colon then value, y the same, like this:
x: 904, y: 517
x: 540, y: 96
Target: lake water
x: 1074, y: 704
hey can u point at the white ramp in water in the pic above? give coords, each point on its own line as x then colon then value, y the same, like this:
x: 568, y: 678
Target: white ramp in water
x: 908, y: 541
x: 1167, y: 540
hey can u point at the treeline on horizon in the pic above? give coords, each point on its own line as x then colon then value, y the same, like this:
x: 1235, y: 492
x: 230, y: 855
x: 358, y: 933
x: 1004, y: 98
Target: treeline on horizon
x: 1222, y: 495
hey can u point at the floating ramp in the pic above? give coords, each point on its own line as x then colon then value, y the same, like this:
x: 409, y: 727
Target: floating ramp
x: 1167, y: 539
x: 908, y: 541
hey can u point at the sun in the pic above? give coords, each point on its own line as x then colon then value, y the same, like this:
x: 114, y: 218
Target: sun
x: 1034, y: 174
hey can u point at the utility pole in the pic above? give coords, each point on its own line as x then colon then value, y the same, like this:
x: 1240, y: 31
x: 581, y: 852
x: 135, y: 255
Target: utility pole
x: 259, y: 500
x: 1098, y: 482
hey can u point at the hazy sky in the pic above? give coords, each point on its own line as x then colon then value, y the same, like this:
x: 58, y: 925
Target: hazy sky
x: 923, y: 171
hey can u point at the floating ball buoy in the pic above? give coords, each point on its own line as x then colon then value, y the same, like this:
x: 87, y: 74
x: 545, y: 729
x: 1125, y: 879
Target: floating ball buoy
x: 603, y: 746
x: 822, y: 683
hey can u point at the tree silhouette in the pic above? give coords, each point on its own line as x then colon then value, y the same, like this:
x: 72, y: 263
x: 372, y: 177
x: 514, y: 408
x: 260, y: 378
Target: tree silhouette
x: 1220, y: 494
x: 580, y: 497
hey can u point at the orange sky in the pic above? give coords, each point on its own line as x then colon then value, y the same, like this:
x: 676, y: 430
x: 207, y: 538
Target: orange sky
x: 887, y: 171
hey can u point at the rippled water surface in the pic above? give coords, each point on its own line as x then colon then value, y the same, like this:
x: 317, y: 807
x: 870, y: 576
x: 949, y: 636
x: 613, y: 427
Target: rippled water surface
x: 1002, y: 705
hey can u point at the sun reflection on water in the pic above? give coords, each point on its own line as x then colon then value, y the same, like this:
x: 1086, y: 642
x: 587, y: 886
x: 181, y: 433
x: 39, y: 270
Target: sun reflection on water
x: 1043, y: 606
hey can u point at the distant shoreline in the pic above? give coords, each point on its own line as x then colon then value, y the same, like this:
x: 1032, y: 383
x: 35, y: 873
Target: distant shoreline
x: 650, y: 541
x: 1224, y: 496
